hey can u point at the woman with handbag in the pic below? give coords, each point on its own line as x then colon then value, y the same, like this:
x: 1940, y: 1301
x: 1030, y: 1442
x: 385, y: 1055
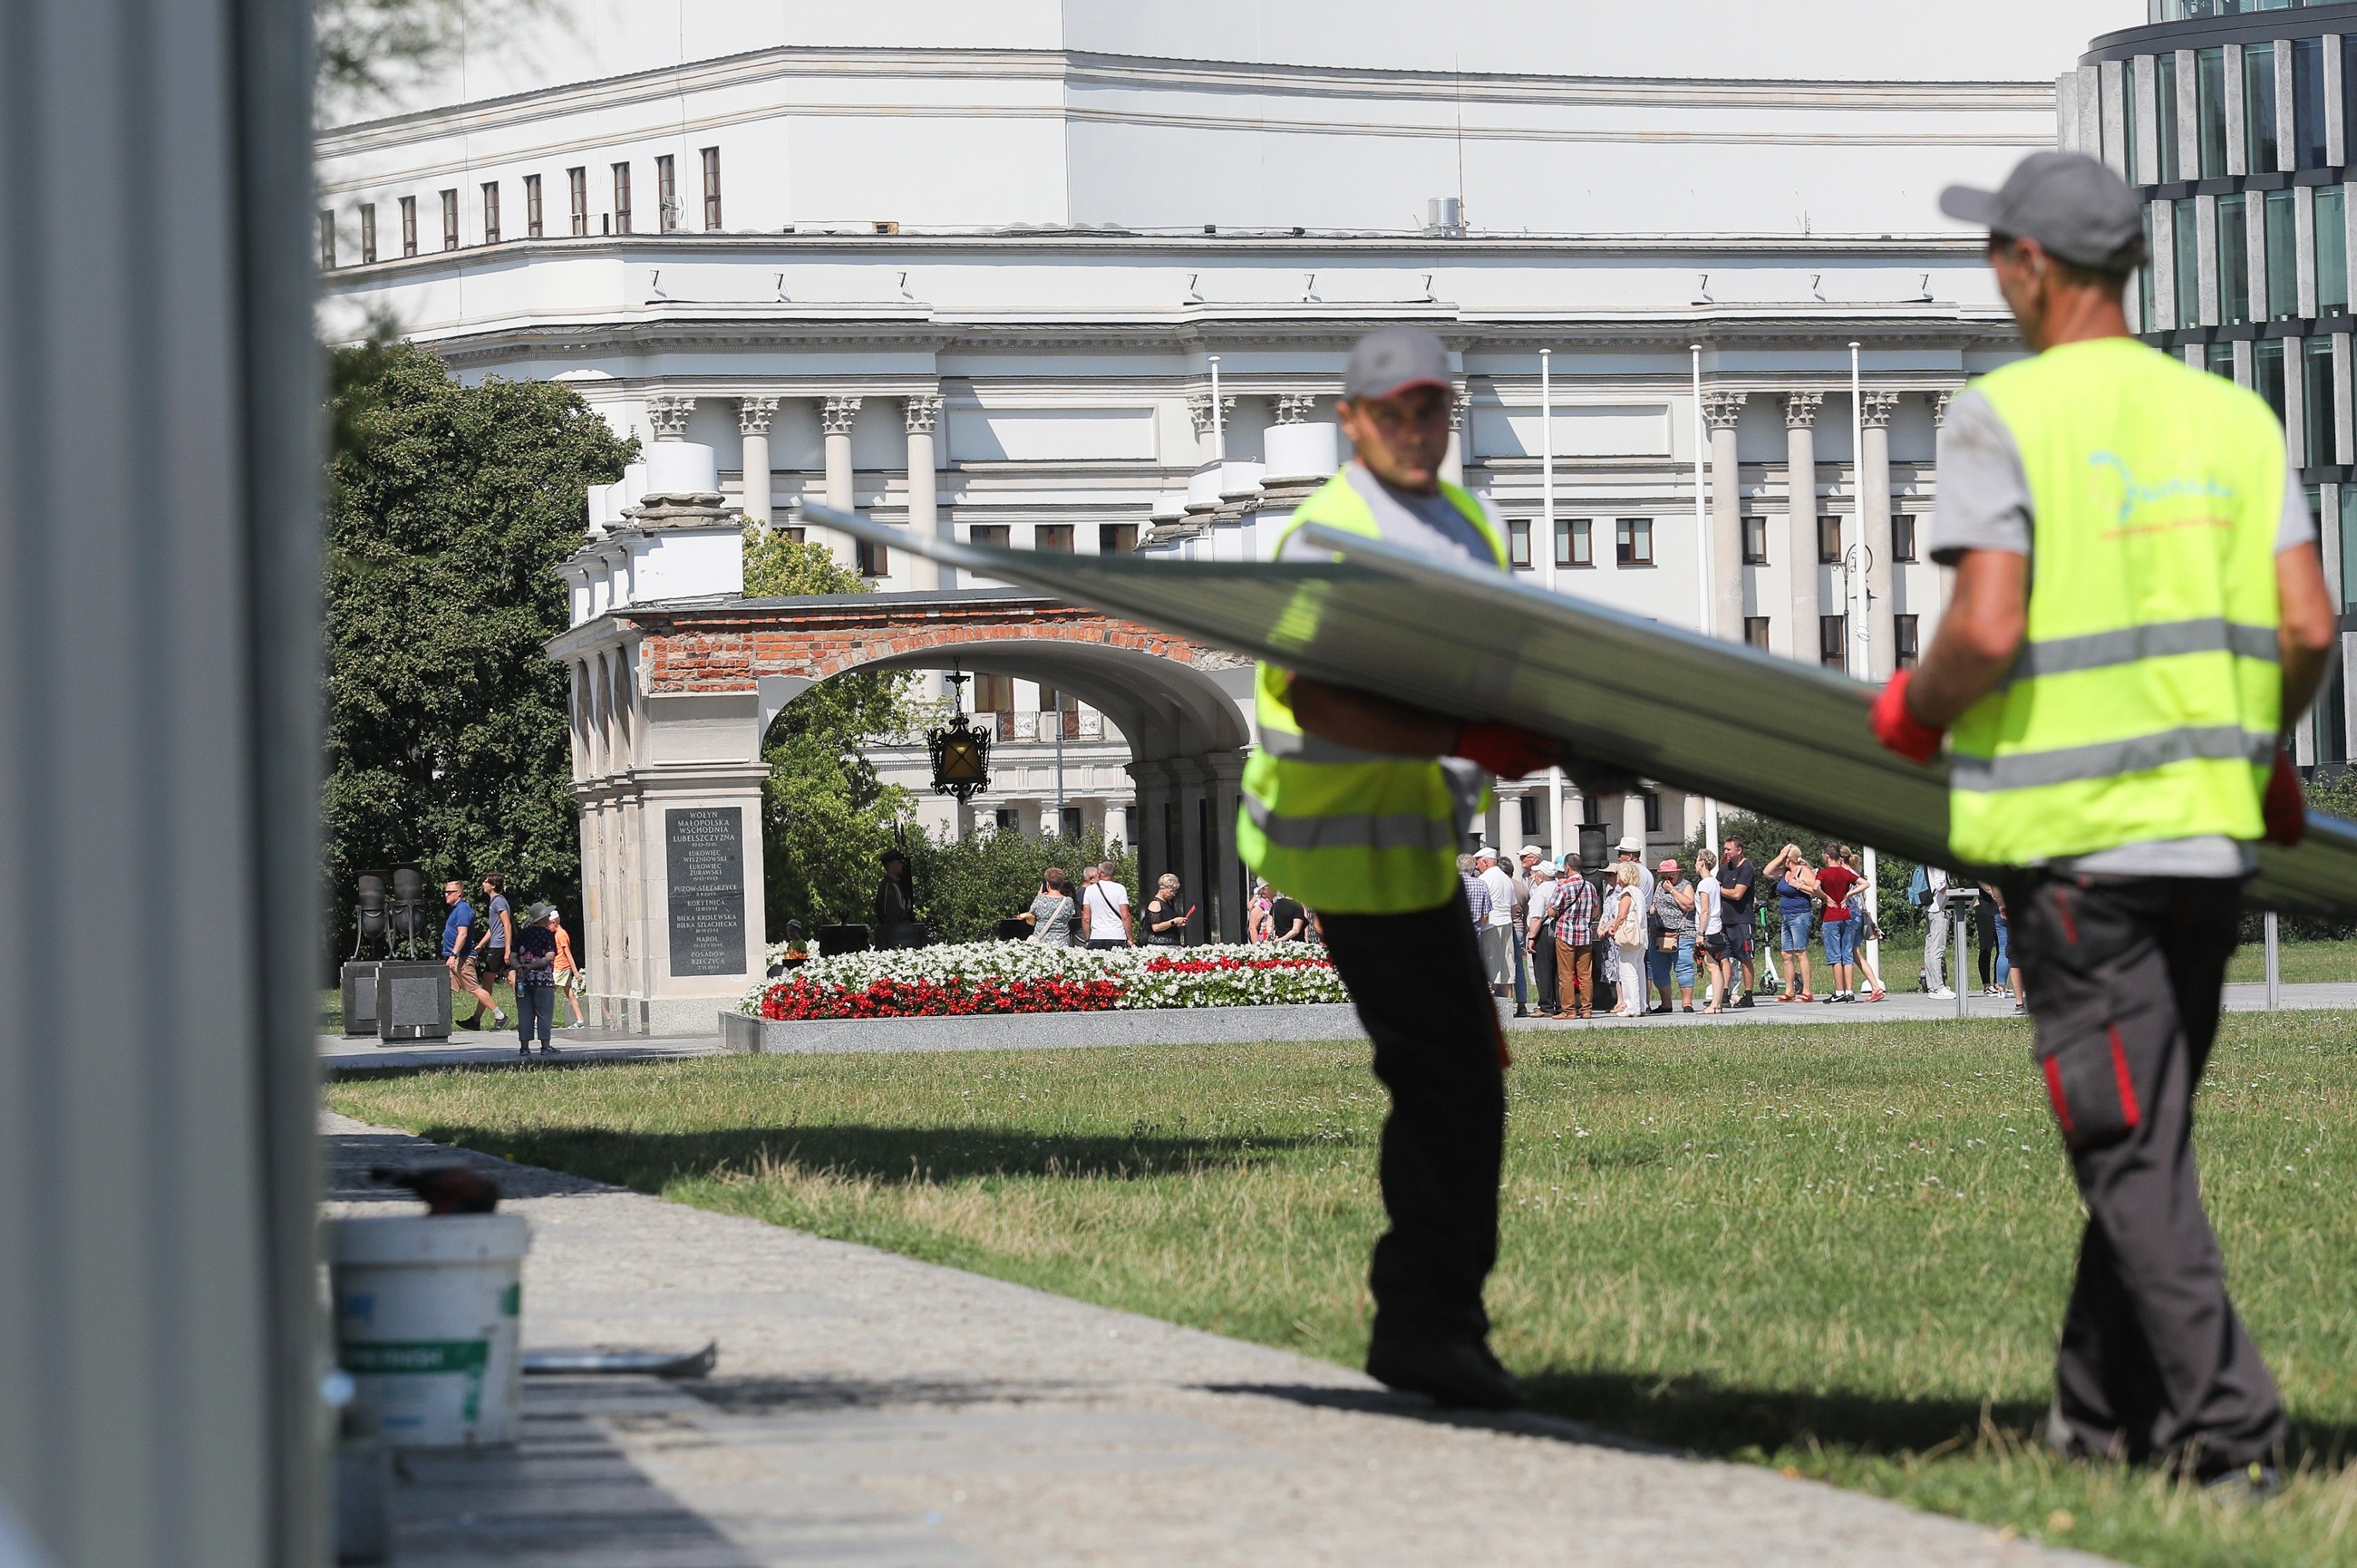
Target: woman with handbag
x: 1624, y: 917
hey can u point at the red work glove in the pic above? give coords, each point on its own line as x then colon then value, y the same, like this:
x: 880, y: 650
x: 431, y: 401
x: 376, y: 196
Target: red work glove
x: 1898, y: 728
x: 1507, y: 750
x: 2282, y: 806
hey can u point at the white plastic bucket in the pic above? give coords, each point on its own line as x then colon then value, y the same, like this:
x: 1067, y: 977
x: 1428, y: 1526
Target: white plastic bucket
x: 428, y: 1315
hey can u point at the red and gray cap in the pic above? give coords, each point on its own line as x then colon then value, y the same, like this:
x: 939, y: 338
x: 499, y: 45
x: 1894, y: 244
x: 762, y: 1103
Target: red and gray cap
x: 2072, y: 206
x: 1388, y: 362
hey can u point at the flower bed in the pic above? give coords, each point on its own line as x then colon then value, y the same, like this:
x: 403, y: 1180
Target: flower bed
x: 1024, y: 977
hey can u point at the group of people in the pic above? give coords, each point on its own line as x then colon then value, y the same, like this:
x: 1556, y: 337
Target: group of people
x: 535, y: 954
x: 1098, y: 914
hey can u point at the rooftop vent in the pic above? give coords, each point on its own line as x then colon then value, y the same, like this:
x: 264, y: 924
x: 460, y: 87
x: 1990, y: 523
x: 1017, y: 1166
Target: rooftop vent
x: 1445, y: 215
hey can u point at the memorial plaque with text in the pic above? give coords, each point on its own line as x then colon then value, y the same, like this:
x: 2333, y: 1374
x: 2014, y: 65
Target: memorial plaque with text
x: 704, y: 859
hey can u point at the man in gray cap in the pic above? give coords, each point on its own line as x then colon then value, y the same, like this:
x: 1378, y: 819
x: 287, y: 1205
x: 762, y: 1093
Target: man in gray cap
x: 1357, y: 806
x: 2138, y: 613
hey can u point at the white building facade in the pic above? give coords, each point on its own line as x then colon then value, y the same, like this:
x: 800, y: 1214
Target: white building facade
x: 975, y: 271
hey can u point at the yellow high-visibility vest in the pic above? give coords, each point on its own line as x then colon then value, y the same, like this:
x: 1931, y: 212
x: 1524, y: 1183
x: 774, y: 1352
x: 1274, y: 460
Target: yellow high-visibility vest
x: 1344, y: 831
x: 2147, y: 698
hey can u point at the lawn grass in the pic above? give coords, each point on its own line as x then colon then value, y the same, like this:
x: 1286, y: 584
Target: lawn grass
x: 1839, y: 1251
x: 2302, y: 962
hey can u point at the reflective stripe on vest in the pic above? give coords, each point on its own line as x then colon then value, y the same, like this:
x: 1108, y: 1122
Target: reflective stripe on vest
x: 2144, y: 702
x: 1342, y: 830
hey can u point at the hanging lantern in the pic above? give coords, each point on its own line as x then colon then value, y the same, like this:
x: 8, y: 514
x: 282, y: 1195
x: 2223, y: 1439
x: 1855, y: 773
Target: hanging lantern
x: 960, y: 752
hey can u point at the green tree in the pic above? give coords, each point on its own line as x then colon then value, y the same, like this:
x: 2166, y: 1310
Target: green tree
x: 966, y: 886
x: 449, y: 508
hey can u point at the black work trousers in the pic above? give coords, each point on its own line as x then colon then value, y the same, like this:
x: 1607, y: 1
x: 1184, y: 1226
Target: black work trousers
x: 2124, y: 979
x: 1423, y: 995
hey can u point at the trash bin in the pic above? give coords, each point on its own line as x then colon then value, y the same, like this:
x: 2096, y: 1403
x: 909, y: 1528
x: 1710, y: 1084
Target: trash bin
x: 429, y: 1319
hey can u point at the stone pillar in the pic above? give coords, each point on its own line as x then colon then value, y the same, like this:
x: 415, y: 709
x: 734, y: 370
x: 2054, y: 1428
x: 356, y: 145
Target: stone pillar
x: 1199, y: 412
x: 1721, y: 411
x: 835, y: 418
x: 1224, y: 782
x: 1156, y: 788
x: 1800, y: 641
x: 753, y: 417
x: 1192, y: 781
x: 924, y: 507
x: 1873, y: 514
x: 1452, y: 467
x: 1632, y: 819
x: 668, y: 415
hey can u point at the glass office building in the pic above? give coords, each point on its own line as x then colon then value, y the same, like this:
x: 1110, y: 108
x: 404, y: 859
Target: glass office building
x: 2235, y: 120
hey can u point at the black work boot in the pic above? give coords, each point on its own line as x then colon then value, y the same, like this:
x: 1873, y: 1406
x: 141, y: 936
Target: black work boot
x: 1456, y: 1374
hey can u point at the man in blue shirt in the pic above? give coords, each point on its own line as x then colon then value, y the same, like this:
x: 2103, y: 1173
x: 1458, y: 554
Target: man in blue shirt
x: 460, y: 936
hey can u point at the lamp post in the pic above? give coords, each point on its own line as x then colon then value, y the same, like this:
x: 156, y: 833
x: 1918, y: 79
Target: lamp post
x: 1702, y: 558
x: 1546, y: 527
x: 1857, y: 604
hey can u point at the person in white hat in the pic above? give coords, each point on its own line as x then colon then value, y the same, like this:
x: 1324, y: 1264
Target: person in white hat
x: 1498, y: 928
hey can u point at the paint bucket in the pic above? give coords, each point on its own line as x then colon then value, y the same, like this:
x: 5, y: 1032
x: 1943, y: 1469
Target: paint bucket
x: 428, y: 1318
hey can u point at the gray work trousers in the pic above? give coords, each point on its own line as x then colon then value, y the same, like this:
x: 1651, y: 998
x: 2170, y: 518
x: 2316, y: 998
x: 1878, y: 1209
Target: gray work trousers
x: 1935, y: 947
x: 2123, y: 980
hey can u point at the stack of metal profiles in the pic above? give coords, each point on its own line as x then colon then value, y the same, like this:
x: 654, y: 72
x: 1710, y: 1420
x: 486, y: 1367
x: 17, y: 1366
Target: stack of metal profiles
x: 1780, y: 739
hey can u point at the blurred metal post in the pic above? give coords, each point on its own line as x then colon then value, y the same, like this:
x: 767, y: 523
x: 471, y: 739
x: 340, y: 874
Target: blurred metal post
x: 159, y: 738
x: 2274, y: 964
x: 1957, y: 911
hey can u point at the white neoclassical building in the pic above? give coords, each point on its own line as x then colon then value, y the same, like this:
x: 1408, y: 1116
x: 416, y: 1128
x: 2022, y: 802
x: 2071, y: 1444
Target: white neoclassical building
x: 977, y: 270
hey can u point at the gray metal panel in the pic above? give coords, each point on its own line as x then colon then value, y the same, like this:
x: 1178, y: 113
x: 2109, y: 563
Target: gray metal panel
x: 158, y: 745
x: 1747, y: 727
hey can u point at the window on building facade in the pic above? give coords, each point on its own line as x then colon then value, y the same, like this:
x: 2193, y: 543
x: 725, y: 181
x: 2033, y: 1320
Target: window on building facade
x: 2209, y: 111
x: 1530, y: 817
x: 1632, y: 542
x: 2144, y: 321
x: 1653, y: 810
x: 2283, y: 256
x: 993, y: 693
x: 666, y: 194
x: 368, y: 233
x: 1829, y: 539
x: 1116, y: 538
x: 2137, y: 170
x: 2308, y: 144
x: 2316, y: 403
x: 450, y: 219
x: 409, y: 225
x: 2259, y: 145
x: 1755, y: 632
x: 2233, y: 262
x: 1833, y: 642
x: 2163, y: 84
x: 875, y: 560
x: 2267, y: 373
x: 1008, y: 819
x: 326, y: 240
x: 491, y: 212
x: 991, y: 533
x: 2189, y: 262
x: 1057, y: 536
x: 1575, y: 542
x: 2347, y: 584
x: 1518, y: 543
x: 577, y: 190
x: 2331, y: 257
x: 711, y: 156
x: 2218, y: 358
x: 1902, y: 536
x: 1904, y: 633
x: 621, y: 199
x: 1755, y: 542
x: 532, y: 228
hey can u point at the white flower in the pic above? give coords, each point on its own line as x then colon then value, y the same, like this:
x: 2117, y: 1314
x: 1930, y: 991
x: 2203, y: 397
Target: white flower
x: 1231, y: 976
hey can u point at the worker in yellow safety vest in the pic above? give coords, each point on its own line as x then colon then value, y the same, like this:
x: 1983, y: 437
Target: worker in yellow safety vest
x: 2138, y: 612
x: 1359, y: 806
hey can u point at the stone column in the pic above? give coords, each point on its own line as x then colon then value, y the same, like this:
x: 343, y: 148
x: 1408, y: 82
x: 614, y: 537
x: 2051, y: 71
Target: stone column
x: 924, y: 510
x: 1873, y: 514
x: 835, y: 418
x: 1193, y: 781
x: 753, y: 417
x: 1800, y: 641
x: 1154, y: 786
x: 1632, y: 819
x: 1721, y: 411
x: 1225, y: 784
x: 668, y: 415
x: 1452, y: 467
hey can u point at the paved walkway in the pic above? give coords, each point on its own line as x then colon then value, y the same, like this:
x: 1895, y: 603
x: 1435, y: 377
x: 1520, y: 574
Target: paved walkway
x: 873, y: 1411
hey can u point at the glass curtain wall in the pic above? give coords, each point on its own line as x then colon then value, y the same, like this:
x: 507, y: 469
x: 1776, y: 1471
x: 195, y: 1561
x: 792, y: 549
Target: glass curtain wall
x: 2137, y: 171
x: 2145, y: 322
x: 2218, y: 358
x: 2164, y: 76
x: 2267, y: 373
x: 2258, y: 108
x: 2189, y: 265
x: 2308, y: 148
x: 2283, y: 256
x: 2318, y: 413
x: 2233, y: 262
x: 2332, y: 251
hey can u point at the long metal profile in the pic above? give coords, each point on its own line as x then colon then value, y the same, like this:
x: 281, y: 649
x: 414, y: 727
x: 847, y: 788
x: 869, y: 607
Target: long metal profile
x: 1781, y: 738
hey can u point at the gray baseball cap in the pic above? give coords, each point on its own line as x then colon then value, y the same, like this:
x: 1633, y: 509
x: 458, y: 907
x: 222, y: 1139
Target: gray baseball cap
x: 2074, y: 207
x: 1393, y: 359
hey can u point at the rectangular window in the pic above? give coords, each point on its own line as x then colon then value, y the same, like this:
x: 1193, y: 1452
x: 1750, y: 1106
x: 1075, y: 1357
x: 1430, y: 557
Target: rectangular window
x: 2163, y: 84
x: 1829, y: 543
x: 450, y: 219
x: 1530, y: 804
x: 1009, y: 820
x: 1575, y: 542
x: 1632, y: 542
x: 1755, y: 542
x: 2210, y: 110
x: 2233, y: 262
x: 1518, y: 543
x: 1833, y: 642
x: 1903, y: 635
x: 326, y: 240
x: 2342, y: 590
x: 1653, y: 810
x: 875, y: 560
x: 621, y: 199
x: 2331, y: 251
x: 1116, y: 538
x: 1755, y: 632
x: 1902, y: 536
x: 991, y: 533
x: 2134, y: 160
x: 2267, y: 373
x: 2315, y: 387
x: 666, y: 193
x: 711, y: 188
x: 532, y: 211
x: 2308, y: 147
x: 368, y: 233
x: 2189, y: 264
x: 1056, y: 536
x: 2259, y: 145
x: 409, y: 225
x: 2283, y: 257
x: 993, y: 693
x: 2218, y: 358
x: 577, y: 190
x: 2145, y: 322
x: 491, y: 212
